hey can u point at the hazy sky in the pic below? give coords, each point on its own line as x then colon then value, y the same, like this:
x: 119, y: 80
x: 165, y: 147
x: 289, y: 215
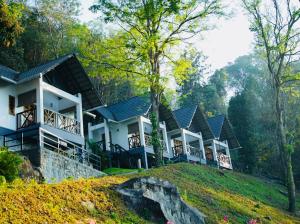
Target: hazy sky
x: 222, y: 45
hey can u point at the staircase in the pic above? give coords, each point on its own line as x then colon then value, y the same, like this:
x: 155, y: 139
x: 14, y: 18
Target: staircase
x: 120, y: 157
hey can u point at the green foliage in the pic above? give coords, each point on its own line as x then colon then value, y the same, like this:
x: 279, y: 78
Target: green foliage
x: 9, y: 164
x: 2, y: 180
x: 10, y: 22
x: 194, y: 90
x: 150, y: 31
x: 155, y: 140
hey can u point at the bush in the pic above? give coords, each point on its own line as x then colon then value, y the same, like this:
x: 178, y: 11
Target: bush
x: 9, y: 164
x: 2, y: 180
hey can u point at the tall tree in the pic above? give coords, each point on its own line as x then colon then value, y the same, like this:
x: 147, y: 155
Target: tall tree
x: 10, y: 22
x: 275, y: 26
x: 58, y: 16
x: 154, y: 28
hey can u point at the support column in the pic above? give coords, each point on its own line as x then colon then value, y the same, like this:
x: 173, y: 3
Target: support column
x: 215, y: 151
x: 141, y: 130
x: 90, y: 133
x: 165, y: 137
x: 202, y: 147
x: 183, y: 140
x: 79, y: 115
x: 107, y: 136
x: 40, y: 101
x: 228, y: 154
x: 145, y: 158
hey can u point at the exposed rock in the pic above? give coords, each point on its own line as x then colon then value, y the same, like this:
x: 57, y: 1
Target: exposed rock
x: 268, y: 218
x: 28, y: 172
x: 161, y: 198
x: 88, y: 205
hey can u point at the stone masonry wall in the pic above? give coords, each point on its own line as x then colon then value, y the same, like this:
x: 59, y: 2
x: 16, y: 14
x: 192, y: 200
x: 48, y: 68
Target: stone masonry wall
x: 56, y: 167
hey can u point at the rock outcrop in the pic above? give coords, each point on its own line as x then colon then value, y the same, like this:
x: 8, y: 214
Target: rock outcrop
x: 160, y: 199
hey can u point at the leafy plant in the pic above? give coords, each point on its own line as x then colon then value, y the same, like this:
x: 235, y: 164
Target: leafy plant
x: 9, y: 164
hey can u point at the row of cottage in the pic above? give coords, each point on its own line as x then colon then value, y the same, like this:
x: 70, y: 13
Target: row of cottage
x: 50, y: 112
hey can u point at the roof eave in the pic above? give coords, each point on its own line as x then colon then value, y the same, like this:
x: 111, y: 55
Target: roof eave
x: 8, y: 80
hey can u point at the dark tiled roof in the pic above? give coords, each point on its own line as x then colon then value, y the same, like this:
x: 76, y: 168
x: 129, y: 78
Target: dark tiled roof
x: 135, y: 106
x: 185, y: 115
x: 105, y: 113
x: 216, y: 124
x: 42, y: 69
x: 8, y: 72
x: 68, y: 71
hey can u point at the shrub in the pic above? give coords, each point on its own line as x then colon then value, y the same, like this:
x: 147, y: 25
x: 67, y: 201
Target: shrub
x: 2, y: 180
x: 9, y: 164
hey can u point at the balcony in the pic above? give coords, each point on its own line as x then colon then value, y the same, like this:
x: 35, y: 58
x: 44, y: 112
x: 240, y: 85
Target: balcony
x: 135, y: 142
x: 190, y: 151
x: 224, y: 161
x: 26, y: 119
x: 61, y: 122
x: 193, y: 151
x: 178, y: 150
x: 54, y: 119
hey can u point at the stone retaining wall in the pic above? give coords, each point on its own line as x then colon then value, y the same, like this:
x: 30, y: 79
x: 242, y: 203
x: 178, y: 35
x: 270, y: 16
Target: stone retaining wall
x: 56, y: 167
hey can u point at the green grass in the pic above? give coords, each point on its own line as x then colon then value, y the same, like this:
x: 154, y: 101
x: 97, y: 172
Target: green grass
x: 216, y: 194
x: 240, y: 197
x: 119, y: 171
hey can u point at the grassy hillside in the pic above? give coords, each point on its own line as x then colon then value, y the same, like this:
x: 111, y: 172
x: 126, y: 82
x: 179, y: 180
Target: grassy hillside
x: 237, y: 196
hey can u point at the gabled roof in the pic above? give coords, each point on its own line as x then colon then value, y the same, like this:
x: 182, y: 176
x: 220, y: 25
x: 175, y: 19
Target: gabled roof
x: 185, y: 115
x: 223, y: 130
x: 42, y: 69
x: 193, y: 119
x: 216, y: 124
x: 65, y: 71
x: 135, y: 106
x: 8, y: 72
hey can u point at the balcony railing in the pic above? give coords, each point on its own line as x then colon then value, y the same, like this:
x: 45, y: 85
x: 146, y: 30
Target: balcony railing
x: 178, y: 150
x: 61, y: 121
x: 69, y: 150
x: 148, y: 142
x: 224, y: 160
x: 193, y: 151
x: 26, y: 119
x: 134, y: 141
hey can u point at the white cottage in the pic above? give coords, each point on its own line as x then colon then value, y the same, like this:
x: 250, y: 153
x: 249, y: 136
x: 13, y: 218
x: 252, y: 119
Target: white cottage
x: 126, y: 126
x: 124, y: 131
x: 43, y: 109
x: 200, y: 139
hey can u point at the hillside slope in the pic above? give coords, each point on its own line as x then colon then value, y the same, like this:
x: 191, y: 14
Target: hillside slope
x: 236, y: 196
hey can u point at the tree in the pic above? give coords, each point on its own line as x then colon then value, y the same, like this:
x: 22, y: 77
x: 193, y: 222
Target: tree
x: 10, y: 22
x: 277, y: 35
x: 58, y: 16
x: 153, y: 29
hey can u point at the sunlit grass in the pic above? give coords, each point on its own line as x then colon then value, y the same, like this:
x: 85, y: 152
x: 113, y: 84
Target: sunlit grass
x: 217, y: 194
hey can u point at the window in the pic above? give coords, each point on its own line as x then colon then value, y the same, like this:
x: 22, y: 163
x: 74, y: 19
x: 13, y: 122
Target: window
x: 11, y: 105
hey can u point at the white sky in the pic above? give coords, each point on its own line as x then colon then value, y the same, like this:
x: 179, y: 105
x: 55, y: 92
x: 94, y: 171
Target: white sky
x: 222, y: 45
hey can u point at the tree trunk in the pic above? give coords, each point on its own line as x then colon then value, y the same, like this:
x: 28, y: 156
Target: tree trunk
x: 155, y: 101
x: 290, y: 183
x: 284, y: 152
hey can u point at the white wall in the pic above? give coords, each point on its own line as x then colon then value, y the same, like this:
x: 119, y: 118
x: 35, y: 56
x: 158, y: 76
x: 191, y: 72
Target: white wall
x: 51, y: 101
x: 119, y: 133
x: 6, y: 120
